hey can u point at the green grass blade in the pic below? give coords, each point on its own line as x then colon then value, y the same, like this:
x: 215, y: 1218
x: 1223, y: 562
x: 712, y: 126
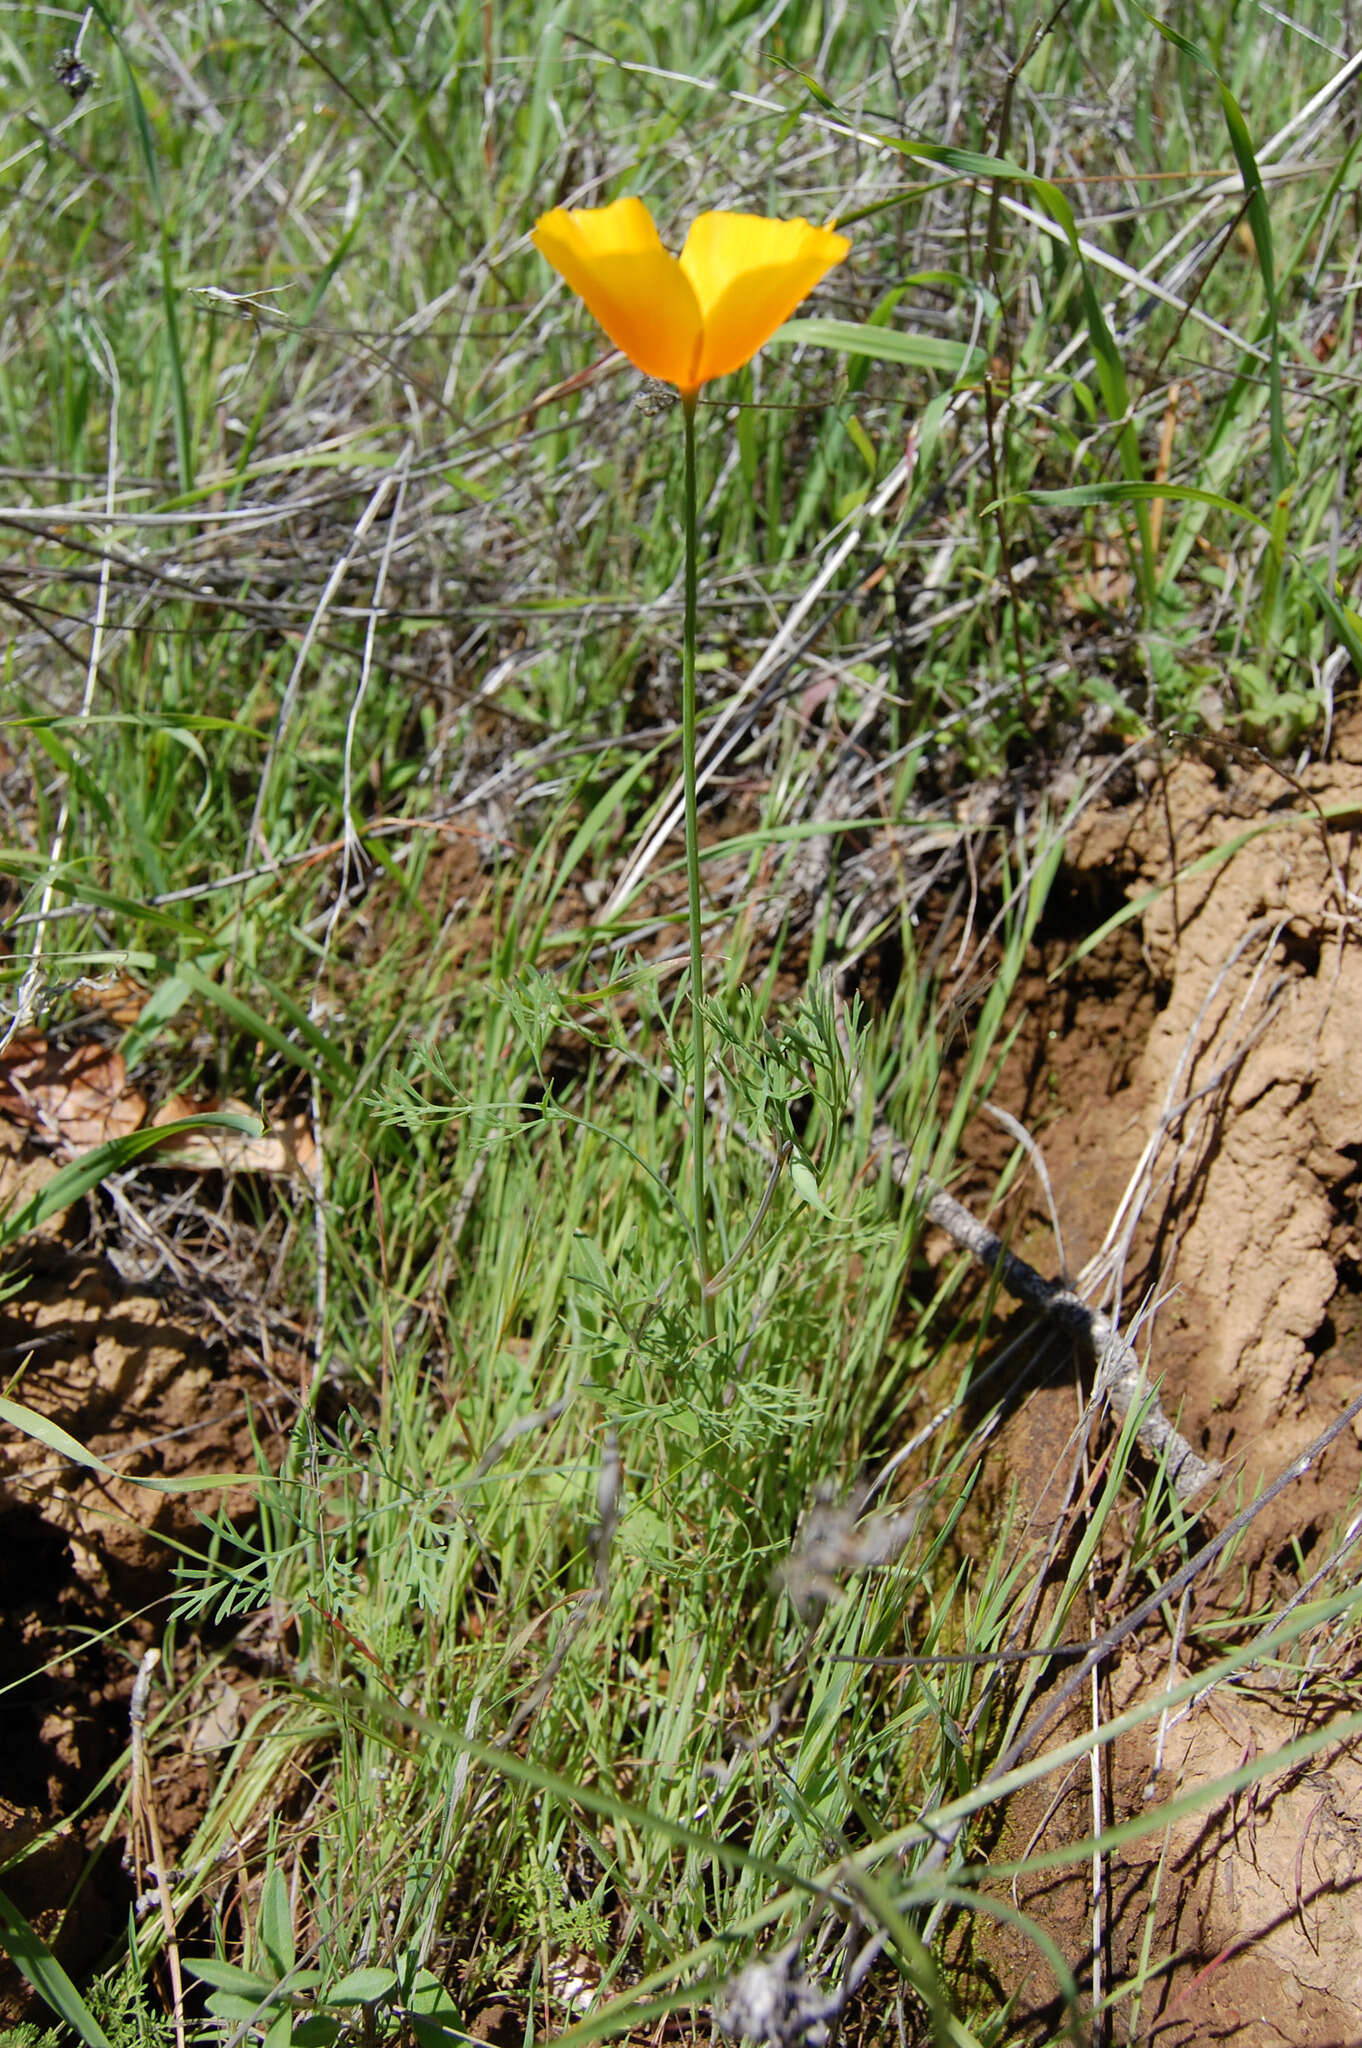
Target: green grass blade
x: 882, y: 345
x: 31, y: 1955
x: 1260, y: 227
x: 184, y: 444
x: 43, y: 1430
x: 75, y: 1180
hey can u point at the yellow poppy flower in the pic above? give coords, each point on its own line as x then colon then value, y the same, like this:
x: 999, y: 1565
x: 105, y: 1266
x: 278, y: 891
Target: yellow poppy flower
x: 686, y: 320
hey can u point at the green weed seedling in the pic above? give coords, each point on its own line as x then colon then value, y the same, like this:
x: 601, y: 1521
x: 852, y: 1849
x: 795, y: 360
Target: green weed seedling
x: 286, y: 2005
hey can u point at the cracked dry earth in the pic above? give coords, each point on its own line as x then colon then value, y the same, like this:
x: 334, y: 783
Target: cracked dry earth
x: 1195, y: 1084
x: 1196, y: 1088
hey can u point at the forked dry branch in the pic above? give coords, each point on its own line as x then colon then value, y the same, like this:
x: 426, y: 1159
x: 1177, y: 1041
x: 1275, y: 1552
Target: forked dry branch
x: 1122, y: 1378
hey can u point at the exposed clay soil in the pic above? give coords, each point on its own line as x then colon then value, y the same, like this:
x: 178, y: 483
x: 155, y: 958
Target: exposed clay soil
x: 1207, y: 1058
x: 1199, y: 1080
x: 154, y: 1385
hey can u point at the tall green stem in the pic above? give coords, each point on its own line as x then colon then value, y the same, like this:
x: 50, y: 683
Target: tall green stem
x: 697, y: 958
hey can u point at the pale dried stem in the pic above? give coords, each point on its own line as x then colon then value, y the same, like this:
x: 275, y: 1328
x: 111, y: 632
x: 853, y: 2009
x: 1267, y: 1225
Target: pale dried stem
x: 29, y: 998
x: 1121, y: 1377
x: 145, y: 1843
x: 352, y: 854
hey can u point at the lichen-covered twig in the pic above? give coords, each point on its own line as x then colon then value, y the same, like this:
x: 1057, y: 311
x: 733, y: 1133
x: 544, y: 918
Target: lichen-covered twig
x: 1121, y: 1377
x: 145, y: 1851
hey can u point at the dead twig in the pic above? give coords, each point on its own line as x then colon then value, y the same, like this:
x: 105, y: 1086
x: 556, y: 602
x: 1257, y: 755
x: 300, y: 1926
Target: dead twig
x: 144, y: 1835
x: 1121, y: 1377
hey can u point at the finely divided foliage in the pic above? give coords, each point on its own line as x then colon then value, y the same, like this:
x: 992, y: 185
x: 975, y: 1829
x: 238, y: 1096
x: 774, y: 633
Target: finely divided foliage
x: 342, y: 575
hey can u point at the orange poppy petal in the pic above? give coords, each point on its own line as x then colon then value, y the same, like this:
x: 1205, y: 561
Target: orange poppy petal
x: 612, y: 258
x: 749, y: 274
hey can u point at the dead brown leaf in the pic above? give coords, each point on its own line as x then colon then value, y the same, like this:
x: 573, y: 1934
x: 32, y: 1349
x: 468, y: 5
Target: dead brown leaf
x: 218, y: 1726
x: 77, y: 1095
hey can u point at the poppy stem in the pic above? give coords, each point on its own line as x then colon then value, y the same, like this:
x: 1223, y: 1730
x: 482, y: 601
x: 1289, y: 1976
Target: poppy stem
x: 697, y: 958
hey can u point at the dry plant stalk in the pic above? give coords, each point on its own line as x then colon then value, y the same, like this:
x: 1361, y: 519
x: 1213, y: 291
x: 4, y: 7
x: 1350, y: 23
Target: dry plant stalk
x: 144, y: 1835
x: 1121, y: 1377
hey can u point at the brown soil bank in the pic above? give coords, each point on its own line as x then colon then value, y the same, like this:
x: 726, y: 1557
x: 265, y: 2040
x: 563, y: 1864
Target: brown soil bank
x: 156, y: 1391
x: 1241, y: 1124
x: 1195, y: 1084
